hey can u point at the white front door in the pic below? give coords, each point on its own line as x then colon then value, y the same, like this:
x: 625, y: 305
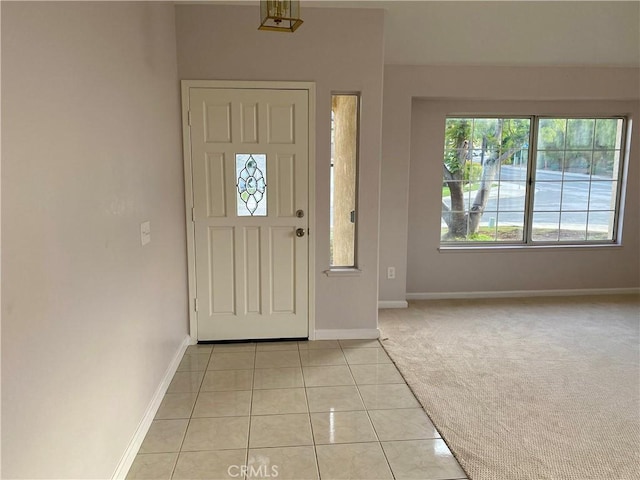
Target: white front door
x: 250, y: 173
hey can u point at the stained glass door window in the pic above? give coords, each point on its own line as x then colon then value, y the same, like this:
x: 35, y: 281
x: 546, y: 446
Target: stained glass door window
x: 251, y: 175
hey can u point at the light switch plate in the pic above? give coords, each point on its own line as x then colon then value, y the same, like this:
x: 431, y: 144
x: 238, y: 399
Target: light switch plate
x: 145, y: 233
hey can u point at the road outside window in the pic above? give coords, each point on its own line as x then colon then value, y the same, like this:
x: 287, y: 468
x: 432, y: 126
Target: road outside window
x: 531, y: 180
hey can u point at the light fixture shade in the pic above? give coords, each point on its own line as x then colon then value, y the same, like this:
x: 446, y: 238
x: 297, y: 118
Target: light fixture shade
x: 280, y: 15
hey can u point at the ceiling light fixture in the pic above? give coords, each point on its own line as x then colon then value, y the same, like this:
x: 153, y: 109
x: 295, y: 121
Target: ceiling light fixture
x: 280, y: 15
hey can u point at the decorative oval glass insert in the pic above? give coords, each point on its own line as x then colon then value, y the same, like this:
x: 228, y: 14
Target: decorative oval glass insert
x: 251, y: 171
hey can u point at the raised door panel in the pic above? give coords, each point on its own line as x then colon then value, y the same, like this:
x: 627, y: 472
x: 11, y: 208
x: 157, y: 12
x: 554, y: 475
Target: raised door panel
x: 215, y: 185
x: 249, y: 151
x: 217, y: 122
x: 222, y: 271
x: 281, y: 123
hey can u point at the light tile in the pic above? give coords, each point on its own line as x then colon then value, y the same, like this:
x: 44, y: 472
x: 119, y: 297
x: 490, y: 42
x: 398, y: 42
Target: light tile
x: 183, y: 382
x: 324, y: 356
x: 276, y: 346
x: 317, y: 344
x: 342, y: 427
x: 231, y: 360
x: 235, y: 347
x: 380, y: 397
x: 284, y: 463
x: 194, y: 363
x: 420, y: 459
x: 376, y: 374
x: 360, y: 343
x: 353, y: 461
x: 280, y: 400
x: 286, y: 377
x: 403, y: 424
x: 277, y: 359
x: 152, y: 466
x: 223, y: 433
x: 221, y: 464
x: 199, y: 348
x: 164, y: 436
x: 223, y: 404
x: 226, y: 380
x: 327, y: 376
x: 176, y: 405
x: 326, y: 399
x: 280, y: 430
x: 365, y: 356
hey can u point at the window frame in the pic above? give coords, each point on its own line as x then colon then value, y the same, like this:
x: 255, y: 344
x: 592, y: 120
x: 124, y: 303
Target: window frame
x: 530, y: 181
x: 347, y: 269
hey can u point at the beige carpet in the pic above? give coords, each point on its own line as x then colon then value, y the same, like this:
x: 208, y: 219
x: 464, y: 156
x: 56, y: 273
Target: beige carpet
x: 527, y: 388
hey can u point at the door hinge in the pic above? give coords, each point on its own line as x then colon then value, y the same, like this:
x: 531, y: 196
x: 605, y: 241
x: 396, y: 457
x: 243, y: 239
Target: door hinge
x: 189, y: 115
x: 193, y: 214
x: 195, y: 304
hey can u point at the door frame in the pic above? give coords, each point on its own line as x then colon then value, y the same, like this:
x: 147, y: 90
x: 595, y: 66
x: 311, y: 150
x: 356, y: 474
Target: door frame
x: 186, y: 85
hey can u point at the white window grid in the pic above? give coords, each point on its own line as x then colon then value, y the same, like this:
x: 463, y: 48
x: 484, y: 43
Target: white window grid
x: 529, y: 182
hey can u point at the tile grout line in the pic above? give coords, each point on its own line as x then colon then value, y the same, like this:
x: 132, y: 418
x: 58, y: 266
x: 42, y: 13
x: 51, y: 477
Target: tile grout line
x: 305, y: 387
x: 366, y: 409
x: 306, y: 397
x: 253, y: 378
x: 184, y: 437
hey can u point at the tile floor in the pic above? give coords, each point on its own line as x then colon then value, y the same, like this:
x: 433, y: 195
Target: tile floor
x: 292, y: 410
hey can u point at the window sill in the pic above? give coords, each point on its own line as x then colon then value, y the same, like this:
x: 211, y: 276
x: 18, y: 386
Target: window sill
x: 521, y: 248
x: 343, y: 272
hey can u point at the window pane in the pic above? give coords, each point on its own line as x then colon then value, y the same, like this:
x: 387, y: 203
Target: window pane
x: 511, y: 196
x: 551, y: 133
x: 510, y: 226
x: 602, y: 195
x: 600, y: 225
x: 606, y: 163
x: 545, y: 226
x: 573, y: 226
x: 581, y: 186
x: 549, y: 161
x: 489, y: 191
x: 547, y: 196
x: 575, y: 196
x: 578, y: 162
x: 484, y: 133
x: 484, y: 178
x: 608, y: 133
x: 587, y: 195
x: 344, y: 155
x: 580, y: 133
x: 251, y: 178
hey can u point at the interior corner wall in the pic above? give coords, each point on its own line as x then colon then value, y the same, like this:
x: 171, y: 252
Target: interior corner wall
x: 91, y: 320
x: 222, y: 43
x: 416, y: 99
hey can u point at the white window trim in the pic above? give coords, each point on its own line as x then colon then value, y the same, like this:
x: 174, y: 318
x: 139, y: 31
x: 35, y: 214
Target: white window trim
x: 527, y: 243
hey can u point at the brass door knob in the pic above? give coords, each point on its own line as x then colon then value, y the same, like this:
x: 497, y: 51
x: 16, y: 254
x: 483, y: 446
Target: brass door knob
x: 300, y: 232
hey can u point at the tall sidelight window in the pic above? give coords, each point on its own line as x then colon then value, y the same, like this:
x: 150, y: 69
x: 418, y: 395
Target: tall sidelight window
x: 344, y: 179
x: 532, y: 180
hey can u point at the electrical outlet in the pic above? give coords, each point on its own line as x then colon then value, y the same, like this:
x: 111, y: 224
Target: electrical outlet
x: 391, y: 273
x: 145, y: 233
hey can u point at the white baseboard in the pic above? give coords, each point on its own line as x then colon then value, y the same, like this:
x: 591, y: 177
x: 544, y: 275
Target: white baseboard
x: 523, y: 293
x: 134, y: 445
x: 392, y: 304
x: 348, y: 334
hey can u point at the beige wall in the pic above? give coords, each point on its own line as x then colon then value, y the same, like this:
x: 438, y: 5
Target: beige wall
x: 516, y: 33
x: 222, y: 42
x: 410, y: 214
x: 91, y: 148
